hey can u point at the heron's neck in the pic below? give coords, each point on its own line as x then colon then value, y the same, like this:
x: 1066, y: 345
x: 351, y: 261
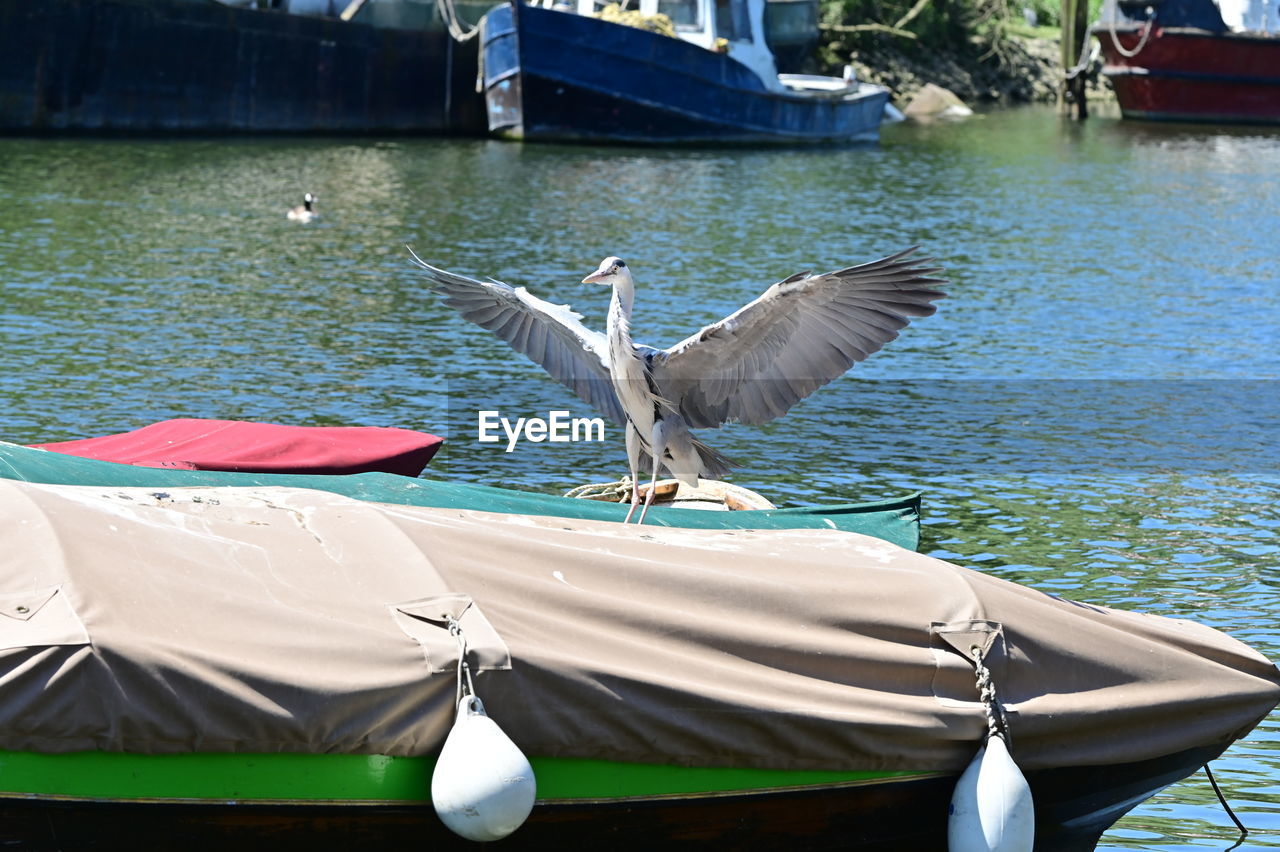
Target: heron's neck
x: 619, y: 322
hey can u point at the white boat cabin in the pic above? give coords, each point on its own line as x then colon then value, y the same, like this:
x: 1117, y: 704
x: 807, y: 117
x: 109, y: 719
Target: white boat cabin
x: 1254, y: 16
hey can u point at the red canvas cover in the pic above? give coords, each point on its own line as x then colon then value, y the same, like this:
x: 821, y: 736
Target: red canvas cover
x: 195, y: 444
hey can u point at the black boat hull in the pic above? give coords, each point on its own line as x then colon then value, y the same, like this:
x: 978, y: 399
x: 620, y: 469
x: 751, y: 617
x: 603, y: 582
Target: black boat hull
x: 165, y: 66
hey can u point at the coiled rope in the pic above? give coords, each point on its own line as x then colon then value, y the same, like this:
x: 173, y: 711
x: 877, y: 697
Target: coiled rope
x: 611, y: 492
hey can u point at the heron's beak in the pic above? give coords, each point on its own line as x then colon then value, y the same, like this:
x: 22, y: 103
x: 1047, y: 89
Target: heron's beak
x: 595, y: 277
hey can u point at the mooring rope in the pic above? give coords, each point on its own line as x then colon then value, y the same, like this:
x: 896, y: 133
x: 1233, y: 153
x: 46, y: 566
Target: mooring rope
x: 484, y: 22
x: 1244, y: 832
x: 1146, y: 33
x: 1088, y: 52
x: 450, y: 14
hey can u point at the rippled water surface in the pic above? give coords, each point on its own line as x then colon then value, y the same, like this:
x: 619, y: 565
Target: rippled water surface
x: 1092, y: 412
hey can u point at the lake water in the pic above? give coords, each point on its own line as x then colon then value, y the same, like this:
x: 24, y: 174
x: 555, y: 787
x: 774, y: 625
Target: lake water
x: 1092, y: 412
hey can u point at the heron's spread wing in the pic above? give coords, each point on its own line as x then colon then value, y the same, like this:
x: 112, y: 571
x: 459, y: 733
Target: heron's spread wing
x: 801, y: 334
x: 551, y: 336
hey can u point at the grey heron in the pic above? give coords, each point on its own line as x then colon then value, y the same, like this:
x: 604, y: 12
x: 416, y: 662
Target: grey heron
x: 750, y: 367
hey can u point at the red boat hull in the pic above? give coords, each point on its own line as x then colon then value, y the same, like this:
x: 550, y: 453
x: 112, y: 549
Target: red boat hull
x: 1184, y: 74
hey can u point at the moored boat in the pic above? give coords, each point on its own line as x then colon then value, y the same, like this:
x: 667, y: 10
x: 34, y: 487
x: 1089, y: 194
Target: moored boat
x: 208, y: 666
x: 281, y: 66
x: 1193, y: 60
x: 896, y: 520
x: 564, y: 74
x: 189, y: 443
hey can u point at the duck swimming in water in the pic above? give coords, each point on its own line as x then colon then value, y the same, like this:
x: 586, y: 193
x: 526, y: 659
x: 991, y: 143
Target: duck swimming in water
x: 303, y: 212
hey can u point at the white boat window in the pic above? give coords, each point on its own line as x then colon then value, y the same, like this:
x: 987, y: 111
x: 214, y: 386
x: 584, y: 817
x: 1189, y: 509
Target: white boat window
x: 732, y: 20
x: 685, y: 14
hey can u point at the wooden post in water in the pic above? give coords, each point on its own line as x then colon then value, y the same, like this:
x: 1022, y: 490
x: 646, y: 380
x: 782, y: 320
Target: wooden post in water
x: 1075, y: 37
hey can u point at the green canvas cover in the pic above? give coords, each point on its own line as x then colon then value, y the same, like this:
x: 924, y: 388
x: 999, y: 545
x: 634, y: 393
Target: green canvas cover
x: 895, y: 520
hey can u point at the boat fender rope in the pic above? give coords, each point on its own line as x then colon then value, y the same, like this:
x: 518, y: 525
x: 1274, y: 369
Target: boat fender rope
x: 991, y: 807
x: 464, y: 670
x: 997, y: 724
x: 1142, y: 42
x: 1244, y: 832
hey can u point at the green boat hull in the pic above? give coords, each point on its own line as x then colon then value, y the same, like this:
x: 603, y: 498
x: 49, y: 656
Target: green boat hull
x: 361, y: 779
x: 895, y: 520
x: 248, y: 802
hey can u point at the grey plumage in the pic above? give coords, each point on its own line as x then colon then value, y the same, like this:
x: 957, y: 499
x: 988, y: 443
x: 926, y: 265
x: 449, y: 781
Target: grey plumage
x: 801, y: 334
x: 551, y: 336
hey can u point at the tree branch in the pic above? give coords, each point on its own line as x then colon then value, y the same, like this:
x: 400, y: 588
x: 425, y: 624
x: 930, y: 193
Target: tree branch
x: 911, y: 15
x: 862, y: 28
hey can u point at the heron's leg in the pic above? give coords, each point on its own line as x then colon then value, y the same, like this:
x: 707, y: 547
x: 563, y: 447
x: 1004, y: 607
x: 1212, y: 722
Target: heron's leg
x: 658, y: 448
x: 633, y: 457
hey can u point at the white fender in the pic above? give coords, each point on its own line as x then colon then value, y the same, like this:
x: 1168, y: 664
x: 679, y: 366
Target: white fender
x: 991, y: 808
x: 483, y: 786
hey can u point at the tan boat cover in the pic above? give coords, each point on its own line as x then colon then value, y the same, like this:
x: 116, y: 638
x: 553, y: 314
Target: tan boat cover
x: 274, y: 619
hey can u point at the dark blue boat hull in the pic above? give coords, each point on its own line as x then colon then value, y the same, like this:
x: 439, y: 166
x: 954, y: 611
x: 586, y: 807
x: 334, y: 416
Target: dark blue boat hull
x: 557, y: 76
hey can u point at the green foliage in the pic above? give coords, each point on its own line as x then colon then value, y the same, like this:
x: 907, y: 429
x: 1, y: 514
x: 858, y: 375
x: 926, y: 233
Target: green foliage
x: 965, y: 26
x: 1048, y: 13
x: 940, y: 22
